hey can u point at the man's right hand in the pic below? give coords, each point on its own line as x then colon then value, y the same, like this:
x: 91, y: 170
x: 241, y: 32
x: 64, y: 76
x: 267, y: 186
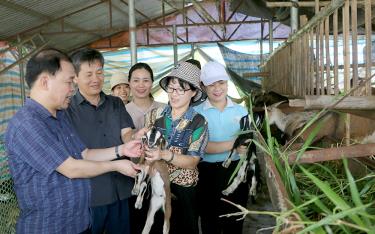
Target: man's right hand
x: 127, y: 167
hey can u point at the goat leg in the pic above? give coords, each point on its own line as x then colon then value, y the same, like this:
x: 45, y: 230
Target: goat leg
x: 253, y: 187
x: 228, y: 160
x: 157, y: 201
x: 139, y: 201
x: 237, y: 180
x: 138, y: 181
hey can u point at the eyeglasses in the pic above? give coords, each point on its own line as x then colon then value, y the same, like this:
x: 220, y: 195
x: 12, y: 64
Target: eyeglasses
x: 178, y: 91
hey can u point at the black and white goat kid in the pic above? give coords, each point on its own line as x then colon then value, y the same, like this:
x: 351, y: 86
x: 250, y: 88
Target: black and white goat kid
x: 250, y: 166
x: 156, y: 173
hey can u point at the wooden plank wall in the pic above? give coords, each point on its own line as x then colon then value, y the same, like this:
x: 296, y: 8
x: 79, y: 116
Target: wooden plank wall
x: 306, y: 65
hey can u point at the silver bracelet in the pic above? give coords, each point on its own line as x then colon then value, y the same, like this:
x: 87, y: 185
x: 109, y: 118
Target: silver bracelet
x: 170, y: 160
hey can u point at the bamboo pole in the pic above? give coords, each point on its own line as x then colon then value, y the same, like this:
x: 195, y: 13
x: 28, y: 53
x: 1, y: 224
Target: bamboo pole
x: 368, y: 26
x: 316, y: 102
x: 311, y: 61
x: 335, y: 52
x: 346, y: 25
x: 354, y: 44
x: 354, y: 151
x: 328, y: 59
x: 321, y: 58
x: 317, y: 60
x: 301, y: 75
x: 346, y: 48
x: 305, y: 54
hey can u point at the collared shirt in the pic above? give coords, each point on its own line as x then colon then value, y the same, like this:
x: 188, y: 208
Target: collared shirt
x: 37, y: 143
x: 100, y: 127
x: 138, y: 115
x: 187, y: 135
x: 222, y: 125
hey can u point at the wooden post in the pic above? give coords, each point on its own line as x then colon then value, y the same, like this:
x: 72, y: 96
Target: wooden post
x: 328, y: 59
x: 368, y: 26
x: 354, y: 43
x: 335, y: 52
x: 345, y: 15
x: 321, y: 58
x: 311, y: 62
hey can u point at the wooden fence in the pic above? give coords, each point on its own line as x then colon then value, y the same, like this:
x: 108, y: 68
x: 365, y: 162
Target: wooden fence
x: 305, y: 64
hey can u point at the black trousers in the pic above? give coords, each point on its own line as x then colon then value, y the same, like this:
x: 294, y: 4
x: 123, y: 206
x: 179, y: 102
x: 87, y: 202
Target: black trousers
x: 213, y: 179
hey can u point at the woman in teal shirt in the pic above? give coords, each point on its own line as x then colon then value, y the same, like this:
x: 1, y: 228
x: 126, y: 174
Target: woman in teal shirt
x: 223, y: 117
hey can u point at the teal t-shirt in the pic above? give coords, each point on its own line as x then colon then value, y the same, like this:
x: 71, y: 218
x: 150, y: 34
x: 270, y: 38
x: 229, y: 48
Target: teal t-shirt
x: 222, y: 125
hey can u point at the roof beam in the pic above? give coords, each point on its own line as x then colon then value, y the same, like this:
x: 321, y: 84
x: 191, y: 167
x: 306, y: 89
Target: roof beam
x: 50, y: 19
x: 304, y: 3
x: 149, y: 19
x: 104, y: 30
x: 182, y: 12
x: 203, y: 11
x: 34, y: 13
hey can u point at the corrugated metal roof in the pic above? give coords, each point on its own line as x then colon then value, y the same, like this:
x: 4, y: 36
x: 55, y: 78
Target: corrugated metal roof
x: 28, y: 17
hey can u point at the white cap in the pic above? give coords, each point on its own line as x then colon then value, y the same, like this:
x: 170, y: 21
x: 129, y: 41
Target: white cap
x: 212, y: 72
x: 118, y: 78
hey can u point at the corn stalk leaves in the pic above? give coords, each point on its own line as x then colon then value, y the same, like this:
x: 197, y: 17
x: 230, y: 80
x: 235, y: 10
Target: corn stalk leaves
x: 336, y: 219
x: 334, y: 197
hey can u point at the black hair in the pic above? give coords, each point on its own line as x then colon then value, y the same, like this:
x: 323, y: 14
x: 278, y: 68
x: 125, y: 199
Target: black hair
x: 194, y: 62
x: 141, y: 66
x: 84, y: 55
x: 47, y: 60
x: 181, y: 82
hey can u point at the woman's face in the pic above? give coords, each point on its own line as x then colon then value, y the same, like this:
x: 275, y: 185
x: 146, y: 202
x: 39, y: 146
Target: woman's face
x: 217, y: 91
x: 179, y: 97
x: 122, y: 91
x: 140, y: 83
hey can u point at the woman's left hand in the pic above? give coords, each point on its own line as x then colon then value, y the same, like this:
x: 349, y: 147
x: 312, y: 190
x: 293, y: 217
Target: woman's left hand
x: 153, y: 154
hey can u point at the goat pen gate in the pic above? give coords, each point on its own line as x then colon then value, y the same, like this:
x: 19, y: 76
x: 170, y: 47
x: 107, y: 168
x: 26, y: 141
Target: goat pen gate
x: 306, y: 69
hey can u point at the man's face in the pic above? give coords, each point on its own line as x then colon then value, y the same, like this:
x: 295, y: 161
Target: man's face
x: 61, y: 86
x: 90, y: 78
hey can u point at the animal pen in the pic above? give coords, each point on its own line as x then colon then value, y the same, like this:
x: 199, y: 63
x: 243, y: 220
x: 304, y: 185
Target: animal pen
x: 307, y: 70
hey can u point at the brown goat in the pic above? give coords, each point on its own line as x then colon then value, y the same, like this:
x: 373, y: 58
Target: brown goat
x: 333, y: 124
x: 155, y: 172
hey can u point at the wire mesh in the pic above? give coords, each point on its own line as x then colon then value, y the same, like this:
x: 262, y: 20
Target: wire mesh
x: 8, y: 202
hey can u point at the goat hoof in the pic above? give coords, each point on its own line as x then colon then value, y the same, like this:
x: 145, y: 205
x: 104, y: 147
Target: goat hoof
x: 226, y: 163
x: 135, y: 192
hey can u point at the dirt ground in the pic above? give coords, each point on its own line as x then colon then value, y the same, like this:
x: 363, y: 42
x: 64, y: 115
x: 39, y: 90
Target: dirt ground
x: 260, y: 224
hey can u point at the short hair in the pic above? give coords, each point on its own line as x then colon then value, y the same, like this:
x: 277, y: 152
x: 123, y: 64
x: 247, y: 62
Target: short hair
x: 141, y: 66
x: 84, y: 55
x: 195, y: 62
x: 46, y: 60
x: 182, y: 83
